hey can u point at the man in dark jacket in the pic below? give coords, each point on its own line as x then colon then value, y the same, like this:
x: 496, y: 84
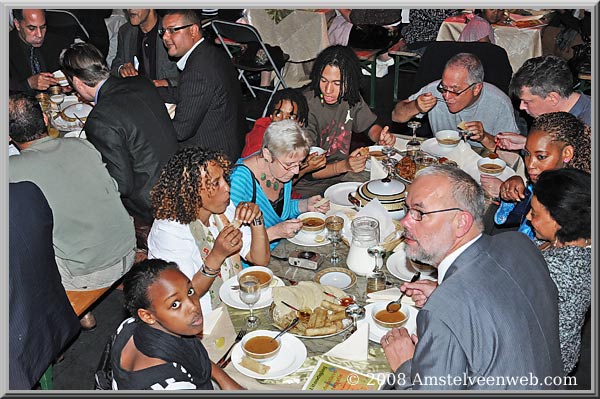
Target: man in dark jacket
x: 129, y: 125
x: 139, y: 40
x: 209, y: 97
x: 33, y: 52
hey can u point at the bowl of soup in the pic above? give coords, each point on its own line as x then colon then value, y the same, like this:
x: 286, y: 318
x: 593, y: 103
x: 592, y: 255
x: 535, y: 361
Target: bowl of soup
x: 386, y: 319
x: 316, y: 150
x: 312, y: 222
x: 260, y: 345
x: 491, y: 166
x: 447, y: 138
x: 263, y: 274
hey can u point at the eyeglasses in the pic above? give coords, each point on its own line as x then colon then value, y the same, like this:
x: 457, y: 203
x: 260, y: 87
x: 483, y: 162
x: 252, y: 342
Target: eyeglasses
x: 162, y: 31
x: 289, y: 167
x: 443, y: 90
x: 417, y: 215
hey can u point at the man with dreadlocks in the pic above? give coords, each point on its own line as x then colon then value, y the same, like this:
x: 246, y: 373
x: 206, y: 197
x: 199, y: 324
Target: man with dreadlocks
x: 336, y: 110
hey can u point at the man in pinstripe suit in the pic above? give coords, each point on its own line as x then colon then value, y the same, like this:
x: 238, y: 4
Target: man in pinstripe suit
x: 209, y: 97
x: 492, y: 323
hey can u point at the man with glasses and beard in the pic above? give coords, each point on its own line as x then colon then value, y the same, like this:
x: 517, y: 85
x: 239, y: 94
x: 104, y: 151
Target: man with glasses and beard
x: 461, y: 97
x: 493, y: 318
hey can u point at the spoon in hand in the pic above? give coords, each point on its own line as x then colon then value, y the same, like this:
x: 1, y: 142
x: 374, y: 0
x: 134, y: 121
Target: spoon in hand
x: 395, y: 306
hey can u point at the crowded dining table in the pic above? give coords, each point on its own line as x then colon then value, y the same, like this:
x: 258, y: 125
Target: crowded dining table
x: 359, y: 352
x: 519, y: 35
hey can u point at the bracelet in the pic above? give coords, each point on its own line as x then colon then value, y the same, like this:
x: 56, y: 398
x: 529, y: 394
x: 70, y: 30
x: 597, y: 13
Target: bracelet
x: 258, y: 221
x: 207, y: 274
x: 212, y: 270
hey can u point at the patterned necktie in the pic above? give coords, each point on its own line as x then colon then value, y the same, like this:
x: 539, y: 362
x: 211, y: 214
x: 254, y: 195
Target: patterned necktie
x: 34, y: 62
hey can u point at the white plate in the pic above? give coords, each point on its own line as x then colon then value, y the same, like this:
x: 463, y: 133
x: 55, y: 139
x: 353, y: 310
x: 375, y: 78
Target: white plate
x: 289, y: 359
x: 307, y: 239
x: 80, y: 134
x: 432, y: 147
x: 70, y: 107
x: 338, y: 193
x: 232, y: 297
x: 403, y: 270
x: 376, y: 331
x: 336, y: 277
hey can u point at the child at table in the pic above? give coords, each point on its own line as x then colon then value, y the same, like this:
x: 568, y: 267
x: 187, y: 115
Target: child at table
x: 335, y: 111
x: 158, y: 348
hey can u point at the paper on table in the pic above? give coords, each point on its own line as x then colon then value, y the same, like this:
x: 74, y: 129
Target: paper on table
x: 390, y: 294
x: 222, y: 327
x: 378, y: 171
x: 356, y: 347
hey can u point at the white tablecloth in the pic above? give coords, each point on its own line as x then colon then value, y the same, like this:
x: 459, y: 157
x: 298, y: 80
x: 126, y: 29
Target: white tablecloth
x: 520, y: 44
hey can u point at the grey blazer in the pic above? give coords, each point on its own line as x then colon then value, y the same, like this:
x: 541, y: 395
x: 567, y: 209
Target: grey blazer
x: 494, y: 315
x: 166, y: 68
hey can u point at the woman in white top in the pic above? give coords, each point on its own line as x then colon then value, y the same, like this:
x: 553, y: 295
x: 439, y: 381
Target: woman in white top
x: 197, y: 226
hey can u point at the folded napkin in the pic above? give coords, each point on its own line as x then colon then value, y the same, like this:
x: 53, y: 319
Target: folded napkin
x: 400, y: 143
x: 355, y: 348
x: 378, y: 171
x: 375, y: 210
x: 218, y: 334
x: 390, y: 294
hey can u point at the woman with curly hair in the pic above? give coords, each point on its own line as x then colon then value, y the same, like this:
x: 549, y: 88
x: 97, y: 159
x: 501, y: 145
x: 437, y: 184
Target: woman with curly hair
x: 335, y: 111
x: 561, y: 216
x: 197, y: 226
x: 556, y: 140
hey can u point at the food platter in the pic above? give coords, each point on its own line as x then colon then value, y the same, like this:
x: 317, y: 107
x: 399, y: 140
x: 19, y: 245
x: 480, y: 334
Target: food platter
x: 325, y: 316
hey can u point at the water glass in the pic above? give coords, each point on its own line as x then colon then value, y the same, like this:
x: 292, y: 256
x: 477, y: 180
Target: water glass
x: 250, y: 294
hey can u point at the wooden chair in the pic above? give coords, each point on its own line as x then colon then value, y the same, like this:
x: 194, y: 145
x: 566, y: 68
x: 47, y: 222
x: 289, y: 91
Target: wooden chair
x: 402, y: 60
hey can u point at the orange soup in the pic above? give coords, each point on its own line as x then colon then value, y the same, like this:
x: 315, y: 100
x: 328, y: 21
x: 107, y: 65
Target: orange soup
x: 261, y: 345
x: 390, y: 317
x: 263, y: 277
x: 313, y: 222
x: 491, y: 167
x: 448, y: 141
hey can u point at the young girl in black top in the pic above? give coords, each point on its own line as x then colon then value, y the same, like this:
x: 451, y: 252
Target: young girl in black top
x: 158, y: 347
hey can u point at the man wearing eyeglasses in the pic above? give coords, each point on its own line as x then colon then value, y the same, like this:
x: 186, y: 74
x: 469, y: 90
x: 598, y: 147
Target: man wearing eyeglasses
x: 461, y: 97
x: 494, y: 314
x: 209, y: 109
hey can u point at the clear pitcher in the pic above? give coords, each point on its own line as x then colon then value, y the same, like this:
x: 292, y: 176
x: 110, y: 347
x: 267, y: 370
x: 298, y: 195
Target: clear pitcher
x: 365, y: 234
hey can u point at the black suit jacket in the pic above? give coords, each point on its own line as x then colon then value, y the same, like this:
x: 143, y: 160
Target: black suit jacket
x: 19, y: 69
x: 209, y: 103
x: 41, y: 319
x: 131, y: 128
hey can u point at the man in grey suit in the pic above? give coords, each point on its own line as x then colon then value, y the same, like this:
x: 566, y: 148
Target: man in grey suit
x: 492, y: 323
x: 139, y: 39
x: 209, y: 97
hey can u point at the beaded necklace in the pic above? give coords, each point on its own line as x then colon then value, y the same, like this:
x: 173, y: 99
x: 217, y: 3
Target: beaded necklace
x: 274, y: 184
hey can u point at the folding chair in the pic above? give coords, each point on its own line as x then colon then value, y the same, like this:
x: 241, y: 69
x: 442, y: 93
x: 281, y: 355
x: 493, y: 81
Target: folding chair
x: 231, y: 35
x: 63, y: 19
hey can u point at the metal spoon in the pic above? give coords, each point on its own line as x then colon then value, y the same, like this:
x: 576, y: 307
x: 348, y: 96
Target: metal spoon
x: 288, y: 328
x: 395, y: 306
x: 303, y: 315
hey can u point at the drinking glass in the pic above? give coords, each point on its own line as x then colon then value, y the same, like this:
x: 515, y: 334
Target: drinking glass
x: 388, y: 162
x: 250, y: 294
x: 413, y: 145
x: 334, y: 225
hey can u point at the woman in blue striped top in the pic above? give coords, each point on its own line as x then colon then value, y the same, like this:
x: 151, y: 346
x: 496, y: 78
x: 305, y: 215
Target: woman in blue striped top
x: 268, y: 173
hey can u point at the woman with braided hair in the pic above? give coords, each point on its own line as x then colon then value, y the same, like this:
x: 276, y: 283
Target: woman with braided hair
x: 556, y: 140
x: 197, y: 226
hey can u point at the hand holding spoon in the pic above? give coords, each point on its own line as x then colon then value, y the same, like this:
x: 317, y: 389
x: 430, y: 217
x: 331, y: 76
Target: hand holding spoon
x: 395, y: 306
